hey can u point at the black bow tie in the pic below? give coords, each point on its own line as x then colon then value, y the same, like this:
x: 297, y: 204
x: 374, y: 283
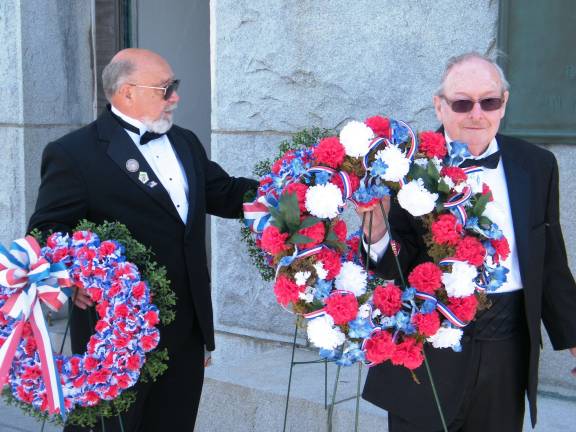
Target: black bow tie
x: 489, y: 162
x: 145, y: 138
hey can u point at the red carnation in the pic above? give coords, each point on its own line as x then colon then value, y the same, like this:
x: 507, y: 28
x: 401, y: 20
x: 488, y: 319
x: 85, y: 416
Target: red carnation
x: 379, y: 347
x: 133, y: 362
x: 90, y: 363
x: 148, y: 342
x: 316, y: 232
x: 470, y: 249
x: 273, y: 241
x: 298, y: 189
x: 151, y: 318
x: 456, y: 174
x: 379, y: 125
x: 388, y: 299
x: 426, y: 277
x: 121, y: 311
x: 340, y: 230
x: 342, y: 307
x: 354, y: 182
x: 101, y: 308
x: 101, y: 326
x: 286, y: 290
x: 288, y: 156
x: 433, y: 144
x: 330, y: 151
x: 408, y: 353
x: 463, y: 307
x: 446, y: 230
x: 330, y: 261
x: 95, y: 293
x: 353, y: 245
x: 427, y: 324
x: 502, y: 249
x: 123, y: 381
x: 107, y: 248
x: 112, y: 392
x: 98, y: 377
x: 60, y: 254
x: 91, y: 398
x: 486, y: 190
x: 138, y: 290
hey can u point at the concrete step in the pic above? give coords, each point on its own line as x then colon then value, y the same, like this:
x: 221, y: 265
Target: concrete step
x: 247, y: 393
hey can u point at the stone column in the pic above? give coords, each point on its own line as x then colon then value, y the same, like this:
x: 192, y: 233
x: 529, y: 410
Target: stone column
x: 46, y: 90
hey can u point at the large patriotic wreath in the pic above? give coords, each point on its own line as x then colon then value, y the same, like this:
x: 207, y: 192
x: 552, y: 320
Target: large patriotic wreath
x: 299, y: 239
x: 80, y: 388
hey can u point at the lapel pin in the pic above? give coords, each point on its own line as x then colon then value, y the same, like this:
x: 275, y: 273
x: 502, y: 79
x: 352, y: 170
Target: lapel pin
x: 132, y: 165
x: 152, y: 184
x: 143, y: 177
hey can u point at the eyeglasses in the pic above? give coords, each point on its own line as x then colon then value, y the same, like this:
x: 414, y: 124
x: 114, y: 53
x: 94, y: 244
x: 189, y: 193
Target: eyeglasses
x: 466, y: 105
x: 168, y: 90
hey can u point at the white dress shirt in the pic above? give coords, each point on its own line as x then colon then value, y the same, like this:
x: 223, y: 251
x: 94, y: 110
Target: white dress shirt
x: 501, y: 214
x: 163, y: 160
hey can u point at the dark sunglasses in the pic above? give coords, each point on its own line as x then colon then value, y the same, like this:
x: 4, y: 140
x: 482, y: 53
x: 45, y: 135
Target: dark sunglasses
x: 168, y: 90
x: 466, y: 105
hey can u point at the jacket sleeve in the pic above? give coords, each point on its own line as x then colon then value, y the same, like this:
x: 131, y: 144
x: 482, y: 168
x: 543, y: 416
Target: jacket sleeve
x: 559, y: 298
x: 62, y: 197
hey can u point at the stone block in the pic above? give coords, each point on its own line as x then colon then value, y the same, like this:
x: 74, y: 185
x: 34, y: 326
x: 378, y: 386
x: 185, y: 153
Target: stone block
x: 283, y: 66
x: 10, y: 63
x: 12, y: 174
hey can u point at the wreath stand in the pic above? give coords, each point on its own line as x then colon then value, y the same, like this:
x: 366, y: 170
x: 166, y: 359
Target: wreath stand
x: 333, y: 402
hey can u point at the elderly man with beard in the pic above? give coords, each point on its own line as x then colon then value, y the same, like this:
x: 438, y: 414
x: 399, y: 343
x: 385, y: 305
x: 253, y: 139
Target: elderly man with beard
x: 133, y: 166
x: 483, y: 387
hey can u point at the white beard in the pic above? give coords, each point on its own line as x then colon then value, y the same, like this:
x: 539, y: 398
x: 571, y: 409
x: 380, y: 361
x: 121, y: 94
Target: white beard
x: 161, y: 125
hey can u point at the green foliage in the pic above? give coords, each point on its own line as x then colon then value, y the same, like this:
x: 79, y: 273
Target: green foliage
x: 256, y: 255
x: 479, y: 204
x: 163, y: 297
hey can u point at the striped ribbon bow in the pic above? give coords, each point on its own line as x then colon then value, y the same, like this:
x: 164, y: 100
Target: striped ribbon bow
x: 29, y: 277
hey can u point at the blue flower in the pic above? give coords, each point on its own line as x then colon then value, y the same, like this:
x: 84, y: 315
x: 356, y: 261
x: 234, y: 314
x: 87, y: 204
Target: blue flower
x: 359, y: 328
x: 322, y: 177
x: 408, y: 294
x: 457, y: 153
x: 322, y: 289
x: 378, y: 168
x: 399, y: 133
x: 428, y: 306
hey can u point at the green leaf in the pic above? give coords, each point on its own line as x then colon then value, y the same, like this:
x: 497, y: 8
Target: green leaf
x: 480, y: 205
x: 300, y: 239
x: 308, y: 222
x: 443, y: 187
x: 432, y: 171
x: 290, y: 211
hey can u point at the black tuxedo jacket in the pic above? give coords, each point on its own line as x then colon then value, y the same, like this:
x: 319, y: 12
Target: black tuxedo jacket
x: 549, y: 289
x: 85, y: 175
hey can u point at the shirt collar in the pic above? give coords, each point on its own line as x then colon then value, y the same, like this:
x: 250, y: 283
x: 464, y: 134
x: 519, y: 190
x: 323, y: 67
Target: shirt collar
x: 136, y: 123
x: 491, y: 149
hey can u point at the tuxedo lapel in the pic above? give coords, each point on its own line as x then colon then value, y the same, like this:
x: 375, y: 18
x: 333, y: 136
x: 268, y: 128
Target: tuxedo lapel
x: 184, y: 153
x: 518, y: 182
x: 122, y: 150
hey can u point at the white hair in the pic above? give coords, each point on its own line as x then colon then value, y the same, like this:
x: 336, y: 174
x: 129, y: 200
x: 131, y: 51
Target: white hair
x: 453, y: 61
x: 115, y: 74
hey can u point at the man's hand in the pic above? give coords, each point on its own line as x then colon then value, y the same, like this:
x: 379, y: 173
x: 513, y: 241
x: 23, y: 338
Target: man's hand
x: 573, y: 352
x: 378, y: 223
x: 81, y: 298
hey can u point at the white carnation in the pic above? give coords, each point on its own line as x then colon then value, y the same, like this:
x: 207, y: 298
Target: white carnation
x: 301, y: 277
x: 494, y: 212
x: 460, y: 283
x: 323, y: 201
x: 306, y: 296
x: 323, y: 334
x: 353, y: 278
x: 356, y: 138
x: 364, y: 311
x: 415, y: 198
x: 446, y: 337
x: 320, y: 270
x: 398, y: 165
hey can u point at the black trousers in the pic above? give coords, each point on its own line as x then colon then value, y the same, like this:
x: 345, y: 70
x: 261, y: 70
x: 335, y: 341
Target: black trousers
x: 495, y: 394
x: 169, y: 402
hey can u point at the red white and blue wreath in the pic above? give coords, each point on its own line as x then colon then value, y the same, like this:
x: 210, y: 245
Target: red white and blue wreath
x: 124, y: 332
x: 351, y: 314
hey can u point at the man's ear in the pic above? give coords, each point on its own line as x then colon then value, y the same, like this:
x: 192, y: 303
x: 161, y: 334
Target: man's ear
x: 437, y: 101
x: 506, y: 95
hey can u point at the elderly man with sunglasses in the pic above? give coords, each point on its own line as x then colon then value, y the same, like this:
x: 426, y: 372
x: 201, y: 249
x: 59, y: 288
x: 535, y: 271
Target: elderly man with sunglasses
x: 483, y: 387
x: 133, y: 166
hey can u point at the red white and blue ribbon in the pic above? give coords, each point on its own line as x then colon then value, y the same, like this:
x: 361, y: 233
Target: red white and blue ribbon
x: 257, y: 214
x: 456, y: 204
x: 443, y: 309
x: 33, y: 278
